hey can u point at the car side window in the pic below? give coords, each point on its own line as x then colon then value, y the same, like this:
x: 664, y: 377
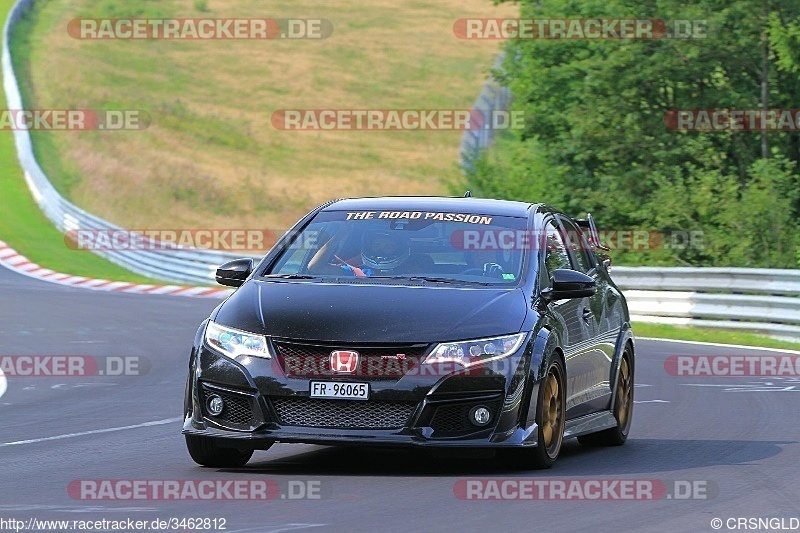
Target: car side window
x: 579, y: 246
x: 556, y: 255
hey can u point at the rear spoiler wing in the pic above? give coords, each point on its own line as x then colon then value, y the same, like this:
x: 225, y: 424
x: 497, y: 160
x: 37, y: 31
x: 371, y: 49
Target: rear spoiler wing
x: 589, y: 228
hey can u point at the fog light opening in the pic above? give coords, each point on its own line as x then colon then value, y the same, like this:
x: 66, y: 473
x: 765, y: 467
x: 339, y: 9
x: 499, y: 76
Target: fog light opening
x: 215, y: 405
x: 480, y: 415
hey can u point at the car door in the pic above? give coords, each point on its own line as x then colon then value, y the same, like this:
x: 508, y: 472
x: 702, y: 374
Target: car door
x: 595, y: 360
x: 576, y: 332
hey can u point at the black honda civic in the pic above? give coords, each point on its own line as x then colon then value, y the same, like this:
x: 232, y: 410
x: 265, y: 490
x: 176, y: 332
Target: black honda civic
x: 416, y: 321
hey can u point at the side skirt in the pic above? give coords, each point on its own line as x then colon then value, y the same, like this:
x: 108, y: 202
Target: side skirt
x: 589, y: 424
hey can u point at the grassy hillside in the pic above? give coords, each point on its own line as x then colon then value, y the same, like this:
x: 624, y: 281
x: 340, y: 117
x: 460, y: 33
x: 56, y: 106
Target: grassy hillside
x: 25, y: 228
x: 211, y: 157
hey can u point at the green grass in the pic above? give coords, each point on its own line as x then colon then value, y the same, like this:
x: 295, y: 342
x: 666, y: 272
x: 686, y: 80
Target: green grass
x: 25, y: 228
x: 211, y: 157
x: 721, y: 336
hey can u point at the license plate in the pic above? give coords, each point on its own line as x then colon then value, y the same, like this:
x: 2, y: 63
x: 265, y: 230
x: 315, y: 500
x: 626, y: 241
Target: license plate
x: 338, y: 390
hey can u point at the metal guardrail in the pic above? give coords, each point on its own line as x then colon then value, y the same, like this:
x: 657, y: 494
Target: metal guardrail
x: 493, y: 97
x: 761, y: 300
x: 749, y: 299
x: 179, y: 266
x: 708, y: 279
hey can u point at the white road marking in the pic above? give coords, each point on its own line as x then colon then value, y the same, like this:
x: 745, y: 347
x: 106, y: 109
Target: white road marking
x: 82, y: 385
x: 781, y: 350
x: 3, y: 384
x: 747, y: 387
x: 785, y: 389
x: 650, y: 401
x: 92, y: 432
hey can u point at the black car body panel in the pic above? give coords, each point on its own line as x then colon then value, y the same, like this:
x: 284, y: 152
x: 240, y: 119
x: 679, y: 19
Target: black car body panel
x: 346, y: 313
x: 395, y: 325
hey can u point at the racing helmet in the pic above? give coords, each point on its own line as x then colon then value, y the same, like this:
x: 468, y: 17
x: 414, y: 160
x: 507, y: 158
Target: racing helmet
x: 384, y: 250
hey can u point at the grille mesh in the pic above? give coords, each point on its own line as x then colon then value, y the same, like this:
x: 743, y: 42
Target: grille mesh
x: 345, y: 414
x: 453, y: 419
x: 291, y: 349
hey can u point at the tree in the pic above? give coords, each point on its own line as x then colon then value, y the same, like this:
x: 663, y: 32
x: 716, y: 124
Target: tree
x: 595, y: 137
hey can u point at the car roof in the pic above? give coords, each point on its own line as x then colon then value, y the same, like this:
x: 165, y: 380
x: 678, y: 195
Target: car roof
x: 471, y: 205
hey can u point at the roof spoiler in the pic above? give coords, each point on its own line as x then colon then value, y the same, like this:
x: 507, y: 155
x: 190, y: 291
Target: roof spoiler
x: 590, y: 229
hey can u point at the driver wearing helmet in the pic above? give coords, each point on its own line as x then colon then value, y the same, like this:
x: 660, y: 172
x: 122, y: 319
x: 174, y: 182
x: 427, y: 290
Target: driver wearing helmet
x: 381, y: 253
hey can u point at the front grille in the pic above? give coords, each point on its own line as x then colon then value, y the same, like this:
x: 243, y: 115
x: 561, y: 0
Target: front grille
x: 344, y: 414
x: 313, y: 360
x: 238, y: 409
x: 453, y: 419
x: 294, y: 349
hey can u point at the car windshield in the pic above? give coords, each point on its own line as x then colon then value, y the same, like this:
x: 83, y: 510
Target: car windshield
x: 437, y: 247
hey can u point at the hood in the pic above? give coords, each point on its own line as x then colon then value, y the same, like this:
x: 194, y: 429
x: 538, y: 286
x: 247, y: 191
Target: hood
x: 367, y: 313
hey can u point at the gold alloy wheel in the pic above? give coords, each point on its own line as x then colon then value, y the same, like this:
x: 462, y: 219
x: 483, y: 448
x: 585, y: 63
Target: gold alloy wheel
x: 552, y: 414
x: 624, y: 393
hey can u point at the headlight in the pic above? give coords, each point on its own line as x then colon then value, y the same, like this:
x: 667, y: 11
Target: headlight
x: 233, y: 342
x: 468, y: 353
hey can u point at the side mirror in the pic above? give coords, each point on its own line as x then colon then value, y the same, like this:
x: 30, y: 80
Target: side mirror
x: 569, y: 284
x: 233, y: 273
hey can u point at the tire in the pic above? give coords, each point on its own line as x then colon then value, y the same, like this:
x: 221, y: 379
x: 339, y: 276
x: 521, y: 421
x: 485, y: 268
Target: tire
x: 550, y: 419
x: 206, y: 452
x: 623, y: 409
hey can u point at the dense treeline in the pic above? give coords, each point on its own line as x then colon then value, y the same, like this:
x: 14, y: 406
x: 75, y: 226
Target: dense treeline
x: 595, y: 137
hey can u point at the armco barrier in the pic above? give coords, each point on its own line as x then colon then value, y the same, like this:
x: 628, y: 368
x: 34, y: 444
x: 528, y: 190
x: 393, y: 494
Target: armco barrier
x: 181, y: 266
x: 493, y: 97
x: 748, y: 299
x: 710, y: 279
x: 761, y: 300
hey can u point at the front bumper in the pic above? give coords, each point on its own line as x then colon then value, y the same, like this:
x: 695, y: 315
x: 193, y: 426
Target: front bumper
x: 336, y: 437
x: 264, y: 405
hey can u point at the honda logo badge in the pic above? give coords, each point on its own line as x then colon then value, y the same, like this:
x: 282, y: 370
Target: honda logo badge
x: 344, y: 361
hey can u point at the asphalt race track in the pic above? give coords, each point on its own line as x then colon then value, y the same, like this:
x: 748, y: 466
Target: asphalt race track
x: 732, y: 441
